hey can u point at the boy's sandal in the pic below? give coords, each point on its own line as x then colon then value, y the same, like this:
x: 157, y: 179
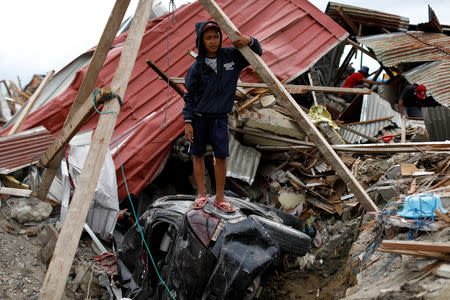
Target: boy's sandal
x: 225, y: 206
x: 199, y: 203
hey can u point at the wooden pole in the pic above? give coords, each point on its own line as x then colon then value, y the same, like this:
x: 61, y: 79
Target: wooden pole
x: 30, y: 103
x: 82, y: 106
x: 294, y: 88
x: 59, y: 268
x: 348, y: 20
x: 164, y: 77
x: 403, y: 138
x: 286, y: 99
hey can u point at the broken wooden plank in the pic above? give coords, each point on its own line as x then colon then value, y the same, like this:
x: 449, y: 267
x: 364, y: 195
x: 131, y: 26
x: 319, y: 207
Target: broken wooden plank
x: 443, y: 271
x: 372, y: 148
x: 436, y: 255
x: 349, y: 41
x: 82, y: 107
x: 15, y: 192
x: 403, y: 135
x: 417, y: 246
x: 286, y: 99
x: 66, y: 246
x: 369, y: 121
x: 296, y: 89
x: 347, y: 20
x: 30, y: 103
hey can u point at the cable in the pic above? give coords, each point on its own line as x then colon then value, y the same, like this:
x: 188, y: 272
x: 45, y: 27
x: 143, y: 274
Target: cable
x: 387, y: 211
x: 129, y: 197
x: 421, y: 218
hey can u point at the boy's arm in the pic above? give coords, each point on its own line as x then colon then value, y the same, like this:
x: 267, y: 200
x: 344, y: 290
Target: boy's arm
x: 245, y: 40
x: 188, y: 97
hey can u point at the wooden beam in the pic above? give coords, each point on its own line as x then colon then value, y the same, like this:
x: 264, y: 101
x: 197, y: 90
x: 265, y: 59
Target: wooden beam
x: 403, y: 136
x: 253, y: 100
x: 297, y: 89
x: 165, y: 78
x: 30, y: 103
x: 347, y: 20
x: 286, y: 100
x: 349, y: 41
x: 369, y: 121
x: 367, y: 148
x: 66, y: 246
x: 82, y: 107
x: 436, y: 255
x: 417, y: 246
x: 344, y: 65
x: 15, y: 192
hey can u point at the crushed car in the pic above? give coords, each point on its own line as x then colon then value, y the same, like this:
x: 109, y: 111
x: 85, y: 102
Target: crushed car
x: 205, y: 253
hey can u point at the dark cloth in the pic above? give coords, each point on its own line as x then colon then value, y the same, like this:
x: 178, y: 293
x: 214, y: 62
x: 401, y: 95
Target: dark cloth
x: 410, y: 99
x: 208, y: 91
x: 210, y: 130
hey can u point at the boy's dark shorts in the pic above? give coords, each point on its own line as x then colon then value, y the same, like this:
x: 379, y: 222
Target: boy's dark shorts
x: 213, y: 131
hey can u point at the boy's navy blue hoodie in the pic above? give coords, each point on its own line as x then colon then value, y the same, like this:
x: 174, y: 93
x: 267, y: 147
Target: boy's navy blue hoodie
x: 212, y: 93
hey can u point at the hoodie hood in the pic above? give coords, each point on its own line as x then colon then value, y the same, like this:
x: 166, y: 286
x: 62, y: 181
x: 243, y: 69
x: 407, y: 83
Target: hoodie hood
x: 199, y: 31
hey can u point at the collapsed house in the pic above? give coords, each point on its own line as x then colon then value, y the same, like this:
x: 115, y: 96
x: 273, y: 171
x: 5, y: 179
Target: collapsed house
x: 272, y: 161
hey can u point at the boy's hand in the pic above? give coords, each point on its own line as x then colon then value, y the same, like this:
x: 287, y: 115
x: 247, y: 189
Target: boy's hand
x: 242, y: 41
x: 189, y: 132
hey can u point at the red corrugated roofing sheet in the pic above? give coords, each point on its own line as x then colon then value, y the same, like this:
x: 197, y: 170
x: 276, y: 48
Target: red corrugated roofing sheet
x: 23, y: 149
x: 294, y: 35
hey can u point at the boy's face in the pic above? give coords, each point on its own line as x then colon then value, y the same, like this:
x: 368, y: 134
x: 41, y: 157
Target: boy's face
x: 211, y: 41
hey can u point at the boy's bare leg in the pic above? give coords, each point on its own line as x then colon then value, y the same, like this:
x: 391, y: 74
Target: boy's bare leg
x: 220, y: 171
x: 199, y: 172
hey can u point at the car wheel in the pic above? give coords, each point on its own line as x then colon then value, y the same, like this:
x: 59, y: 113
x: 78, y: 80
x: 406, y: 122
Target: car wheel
x: 290, y: 240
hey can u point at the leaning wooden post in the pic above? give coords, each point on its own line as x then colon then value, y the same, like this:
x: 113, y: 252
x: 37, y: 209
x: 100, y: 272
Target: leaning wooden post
x: 30, y: 103
x: 59, y: 268
x: 286, y: 99
x: 78, y: 113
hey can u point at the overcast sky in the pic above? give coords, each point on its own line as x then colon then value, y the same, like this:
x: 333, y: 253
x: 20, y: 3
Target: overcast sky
x: 38, y: 36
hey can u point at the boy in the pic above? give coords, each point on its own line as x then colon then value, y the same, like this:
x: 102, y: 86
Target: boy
x: 211, y: 84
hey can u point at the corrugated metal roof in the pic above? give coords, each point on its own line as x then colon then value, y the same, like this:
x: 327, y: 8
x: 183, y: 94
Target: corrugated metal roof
x: 367, y: 16
x: 373, y: 107
x: 436, y: 77
x: 433, y: 24
x: 413, y: 46
x: 294, y: 34
x: 242, y: 162
x: 23, y: 149
x: 437, y: 122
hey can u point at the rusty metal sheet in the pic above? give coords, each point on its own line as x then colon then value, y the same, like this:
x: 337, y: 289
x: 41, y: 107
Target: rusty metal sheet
x: 367, y: 17
x: 436, y: 77
x: 413, y: 46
